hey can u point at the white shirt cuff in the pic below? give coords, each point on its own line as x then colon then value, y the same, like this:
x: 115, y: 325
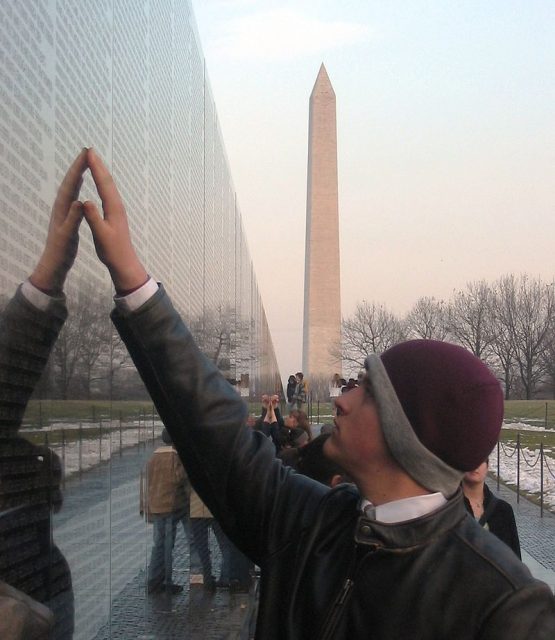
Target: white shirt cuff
x: 36, y: 297
x: 132, y: 301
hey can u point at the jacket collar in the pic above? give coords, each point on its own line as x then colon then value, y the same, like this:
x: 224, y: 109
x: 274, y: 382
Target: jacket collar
x: 411, y: 533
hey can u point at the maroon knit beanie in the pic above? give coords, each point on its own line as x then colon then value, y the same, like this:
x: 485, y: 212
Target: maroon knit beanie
x: 452, y: 400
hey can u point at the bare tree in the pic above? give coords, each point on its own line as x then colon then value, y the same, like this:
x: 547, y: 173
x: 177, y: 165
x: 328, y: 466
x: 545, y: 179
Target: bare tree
x: 94, y: 343
x: 470, y: 318
x: 503, y: 351
x: 525, y: 312
x: 215, y: 333
x: 67, y: 351
x: 428, y: 319
x: 371, y: 329
x: 548, y: 360
x: 84, y: 337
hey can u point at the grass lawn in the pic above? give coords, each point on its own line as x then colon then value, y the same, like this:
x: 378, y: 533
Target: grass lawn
x: 528, y: 439
x: 43, y: 412
x: 539, y: 413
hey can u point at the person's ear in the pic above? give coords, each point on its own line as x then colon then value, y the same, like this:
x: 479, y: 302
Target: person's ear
x: 335, y: 480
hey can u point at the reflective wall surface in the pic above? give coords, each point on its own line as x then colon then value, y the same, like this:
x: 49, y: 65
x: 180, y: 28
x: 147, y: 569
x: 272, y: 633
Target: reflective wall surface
x: 129, y: 79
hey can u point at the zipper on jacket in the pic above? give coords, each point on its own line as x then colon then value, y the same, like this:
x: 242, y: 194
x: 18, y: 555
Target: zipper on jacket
x: 330, y: 624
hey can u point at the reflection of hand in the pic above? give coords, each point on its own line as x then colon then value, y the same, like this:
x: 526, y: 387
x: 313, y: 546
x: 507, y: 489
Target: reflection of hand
x: 63, y: 239
x: 265, y: 401
x: 274, y: 400
x: 111, y: 231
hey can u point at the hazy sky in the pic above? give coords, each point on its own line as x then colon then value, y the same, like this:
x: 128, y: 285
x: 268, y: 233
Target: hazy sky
x: 446, y: 142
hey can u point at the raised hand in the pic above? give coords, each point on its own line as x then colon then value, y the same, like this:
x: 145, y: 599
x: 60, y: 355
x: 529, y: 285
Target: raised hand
x: 62, y: 240
x: 110, y: 231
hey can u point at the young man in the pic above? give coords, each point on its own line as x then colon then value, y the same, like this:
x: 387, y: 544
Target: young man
x: 398, y: 557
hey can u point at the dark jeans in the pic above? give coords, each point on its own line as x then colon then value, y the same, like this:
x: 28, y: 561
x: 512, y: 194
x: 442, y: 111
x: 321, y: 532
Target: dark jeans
x: 236, y: 567
x: 161, y: 558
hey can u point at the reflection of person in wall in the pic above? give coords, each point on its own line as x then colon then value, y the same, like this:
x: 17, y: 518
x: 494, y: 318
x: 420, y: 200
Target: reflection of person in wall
x: 491, y: 512
x: 30, y: 474
x: 396, y: 555
x: 166, y: 504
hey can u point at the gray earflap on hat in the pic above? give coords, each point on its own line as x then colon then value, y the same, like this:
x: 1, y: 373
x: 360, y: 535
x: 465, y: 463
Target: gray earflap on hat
x: 440, y: 408
x: 166, y: 438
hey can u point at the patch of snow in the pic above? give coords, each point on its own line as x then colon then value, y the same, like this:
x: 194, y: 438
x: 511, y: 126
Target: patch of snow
x: 79, y: 455
x: 526, y: 471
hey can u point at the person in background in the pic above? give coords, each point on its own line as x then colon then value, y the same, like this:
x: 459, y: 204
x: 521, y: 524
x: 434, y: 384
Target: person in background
x: 299, y: 397
x: 298, y: 420
x: 290, y: 392
x: 166, y: 504
x: 235, y: 568
x: 352, y: 384
x: 335, y: 387
x: 311, y: 461
x: 201, y: 523
x: 491, y: 512
x: 293, y: 431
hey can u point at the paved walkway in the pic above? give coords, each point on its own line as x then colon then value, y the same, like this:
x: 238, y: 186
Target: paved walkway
x: 108, y: 545
x: 537, y: 534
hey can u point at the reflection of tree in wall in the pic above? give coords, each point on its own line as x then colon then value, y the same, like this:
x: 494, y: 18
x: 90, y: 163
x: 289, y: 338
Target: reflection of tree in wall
x: 79, y: 346
x: 89, y: 359
x: 227, y: 340
x: 214, y: 332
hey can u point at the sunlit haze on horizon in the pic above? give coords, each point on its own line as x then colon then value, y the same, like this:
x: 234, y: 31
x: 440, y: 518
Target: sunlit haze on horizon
x: 446, y: 142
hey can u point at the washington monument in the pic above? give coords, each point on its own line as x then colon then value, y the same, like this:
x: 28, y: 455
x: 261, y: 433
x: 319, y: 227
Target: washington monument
x: 322, y: 299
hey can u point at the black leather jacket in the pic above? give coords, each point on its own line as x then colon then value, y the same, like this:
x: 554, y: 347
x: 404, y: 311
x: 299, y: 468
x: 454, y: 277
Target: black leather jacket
x: 327, y: 572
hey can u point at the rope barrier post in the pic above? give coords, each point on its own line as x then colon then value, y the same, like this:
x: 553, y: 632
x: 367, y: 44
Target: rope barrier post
x: 318, y: 405
x: 545, y: 424
x: 63, y: 459
x: 80, y: 449
x: 498, y: 463
x: 50, y: 471
x: 541, y: 479
x: 518, y: 468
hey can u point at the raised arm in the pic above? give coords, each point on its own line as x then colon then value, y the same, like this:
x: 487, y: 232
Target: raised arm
x: 233, y: 469
x: 62, y: 240
x: 110, y: 231
x: 27, y: 332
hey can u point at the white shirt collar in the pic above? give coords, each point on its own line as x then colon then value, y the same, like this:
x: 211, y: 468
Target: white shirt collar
x: 405, y: 508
